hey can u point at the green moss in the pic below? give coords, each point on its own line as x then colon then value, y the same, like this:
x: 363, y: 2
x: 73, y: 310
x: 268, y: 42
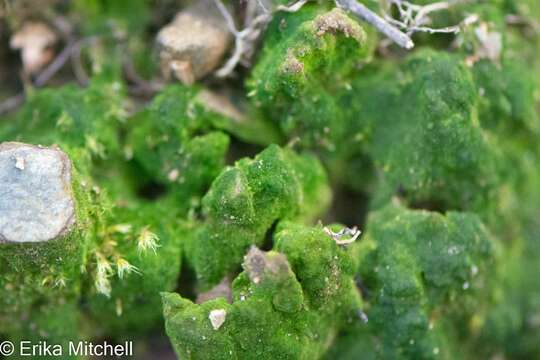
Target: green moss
x: 507, y: 100
x: 246, y: 200
x: 287, y: 304
x: 41, y: 283
x: 99, y: 17
x: 176, y: 142
x: 419, y: 124
x: 144, y: 251
x: 443, y: 141
x: 120, y: 254
x: 71, y: 118
x: 308, y: 57
x: 431, y: 276
x: 325, y: 270
x: 171, y: 140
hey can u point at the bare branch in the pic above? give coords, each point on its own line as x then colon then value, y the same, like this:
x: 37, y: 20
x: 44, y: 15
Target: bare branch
x: 227, y: 16
x: 55, y: 66
x: 378, y: 22
x: 245, y: 39
x: 294, y: 7
x: 415, y: 18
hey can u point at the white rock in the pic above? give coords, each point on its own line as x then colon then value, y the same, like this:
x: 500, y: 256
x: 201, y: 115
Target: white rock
x: 217, y: 318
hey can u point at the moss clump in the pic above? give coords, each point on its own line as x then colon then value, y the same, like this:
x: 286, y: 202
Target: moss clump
x: 246, y: 200
x: 173, y: 142
x: 288, y: 303
x: 419, y: 124
x: 441, y: 144
x: 308, y: 57
x: 103, y: 279
x: 42, y: 281
x: 431, y: 276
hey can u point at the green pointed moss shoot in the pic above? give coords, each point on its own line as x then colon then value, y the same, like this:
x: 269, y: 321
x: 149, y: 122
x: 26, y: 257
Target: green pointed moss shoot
x: 140, y: 258
x: 288, y: 303
x: 244, y: 202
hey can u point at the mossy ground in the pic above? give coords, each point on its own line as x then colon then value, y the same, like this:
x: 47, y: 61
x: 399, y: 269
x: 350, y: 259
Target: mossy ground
x: 176, y: 197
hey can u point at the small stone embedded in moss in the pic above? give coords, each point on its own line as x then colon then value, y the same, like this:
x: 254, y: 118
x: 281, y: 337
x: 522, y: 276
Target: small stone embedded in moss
x: 217, y: 318
x: 223, y: 289
x: 38, y: 203
x: 279, y: 297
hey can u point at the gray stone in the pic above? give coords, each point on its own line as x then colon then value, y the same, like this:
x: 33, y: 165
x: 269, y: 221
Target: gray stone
x: 36, y: 200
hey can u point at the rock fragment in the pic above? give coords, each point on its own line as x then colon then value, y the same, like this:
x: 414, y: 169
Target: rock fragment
x: 223, y: 289
x: 193, y: 44
x: 259, y: 264
x: 36, y: 201
x: 35, y: 40
x: 217, y: 318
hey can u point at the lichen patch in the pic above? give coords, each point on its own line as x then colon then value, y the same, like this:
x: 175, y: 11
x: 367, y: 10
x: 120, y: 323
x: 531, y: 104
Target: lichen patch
x: 337, y: 21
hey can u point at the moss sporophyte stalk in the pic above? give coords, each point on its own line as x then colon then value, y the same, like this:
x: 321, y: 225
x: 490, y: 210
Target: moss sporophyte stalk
x: 304, y: 180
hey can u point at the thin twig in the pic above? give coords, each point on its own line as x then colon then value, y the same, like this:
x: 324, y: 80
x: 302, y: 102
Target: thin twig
x: 294, y: 7
x: 244, y: 39
x: 414, y: 18
x: 227, y: 16
x: 55, y: 66
x: 263, y: 7
x: 378, y: 22
x: 71, y: 51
